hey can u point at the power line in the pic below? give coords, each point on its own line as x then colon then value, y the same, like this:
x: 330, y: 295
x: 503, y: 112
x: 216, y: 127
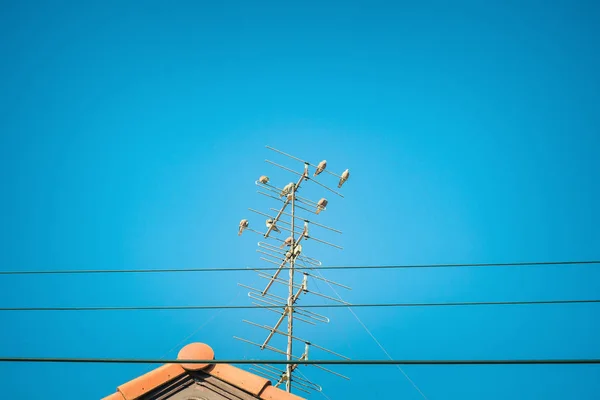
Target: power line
x: 239, y: 269
x: 303, y: 362
x: 240, y: 307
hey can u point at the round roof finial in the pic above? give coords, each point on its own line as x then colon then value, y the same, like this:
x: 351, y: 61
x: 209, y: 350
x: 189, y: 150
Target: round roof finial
x: 196, y: 351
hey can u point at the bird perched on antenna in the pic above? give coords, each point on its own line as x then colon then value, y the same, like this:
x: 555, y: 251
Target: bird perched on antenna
x: 287, y: 189
x: 287, y: 242
x: 305, y: 231
x: 344, y: 178
x: 297, y: 250
x: 270, y: 224
x: 321, y: 167
x: 243, y: 225
x: 321, y: 205
x: 295, y: 253
x: 263, y: 179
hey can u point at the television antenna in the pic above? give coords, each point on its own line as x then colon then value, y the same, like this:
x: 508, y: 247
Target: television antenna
x: 289, y: 254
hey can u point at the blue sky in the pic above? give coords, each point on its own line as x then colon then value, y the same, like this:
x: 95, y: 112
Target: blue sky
x: 131, y: 134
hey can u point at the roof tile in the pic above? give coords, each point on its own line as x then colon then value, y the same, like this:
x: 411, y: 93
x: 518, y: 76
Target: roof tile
x: 251, y: 383
x: 114, y: 396
x: 273, y: 393
x: 149, y: 381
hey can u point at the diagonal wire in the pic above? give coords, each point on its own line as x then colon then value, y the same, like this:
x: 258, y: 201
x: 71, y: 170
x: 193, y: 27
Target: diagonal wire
x: 321, y: 391
x: 208, y: 321
x: 376, y: 341
x: 388, y: 354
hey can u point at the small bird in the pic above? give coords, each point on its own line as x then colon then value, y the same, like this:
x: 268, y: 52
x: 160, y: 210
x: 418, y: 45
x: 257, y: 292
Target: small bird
x: 321, y: 167
x: 269, y: 223
x: 287, y: 242
x: 243, y: 225
x: 287, y: 189
x: 321, y: 205
x: 344, y: 178
x: 263, y: 179
x: 297, y: 250
x: 305, y: 231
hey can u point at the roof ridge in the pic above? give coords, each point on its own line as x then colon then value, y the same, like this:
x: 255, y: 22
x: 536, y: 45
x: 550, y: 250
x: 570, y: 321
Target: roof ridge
x: 257, y: 386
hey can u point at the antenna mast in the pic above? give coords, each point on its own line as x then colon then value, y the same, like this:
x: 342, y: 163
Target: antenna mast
x: 296, y: 262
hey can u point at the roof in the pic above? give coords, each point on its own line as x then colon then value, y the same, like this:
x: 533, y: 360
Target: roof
x: 199, y: 381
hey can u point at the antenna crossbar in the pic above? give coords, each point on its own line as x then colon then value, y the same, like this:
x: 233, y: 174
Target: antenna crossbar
x: 302, y: 161
x: 270, y: 216
x: 304, y: 289
x: 279, y: 250
x: 296, y: 338
x: 263, y: 234
x: 307, y: 177
x: 278, y: 372
x: 303, y: 270
x: 277, y: 190
x: 281, y: 200
x: 302, y: 260
x: 271, y: 348
x: 311, y: 222
x: 296, y: 318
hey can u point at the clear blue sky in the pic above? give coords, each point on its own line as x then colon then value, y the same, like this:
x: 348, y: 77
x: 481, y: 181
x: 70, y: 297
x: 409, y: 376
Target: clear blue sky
x: 131, y: 134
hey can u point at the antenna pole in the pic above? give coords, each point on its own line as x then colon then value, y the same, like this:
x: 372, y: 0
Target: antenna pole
x: 290, y: 302
x: 289, y: 257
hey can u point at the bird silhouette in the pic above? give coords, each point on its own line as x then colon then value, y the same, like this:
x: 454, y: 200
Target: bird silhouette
x: 263, y: 179
x: 243, y: 225
x: 321, y: 167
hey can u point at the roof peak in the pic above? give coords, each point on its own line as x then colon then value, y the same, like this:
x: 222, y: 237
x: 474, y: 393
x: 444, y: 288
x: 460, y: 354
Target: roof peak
x: 257, y: 386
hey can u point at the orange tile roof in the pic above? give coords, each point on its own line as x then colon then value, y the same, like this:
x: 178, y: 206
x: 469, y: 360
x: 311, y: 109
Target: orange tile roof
x: 254, y: 385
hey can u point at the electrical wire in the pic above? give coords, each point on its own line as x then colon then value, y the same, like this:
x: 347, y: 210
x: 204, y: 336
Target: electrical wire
x: 240, y: 307
x: 239, y: 269
x: 580, y: 361
x: 320, y: 391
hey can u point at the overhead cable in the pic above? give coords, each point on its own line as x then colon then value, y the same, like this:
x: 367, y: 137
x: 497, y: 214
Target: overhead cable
x: 239, y: 307
x: 240, y: 269
x: 303, y: 362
